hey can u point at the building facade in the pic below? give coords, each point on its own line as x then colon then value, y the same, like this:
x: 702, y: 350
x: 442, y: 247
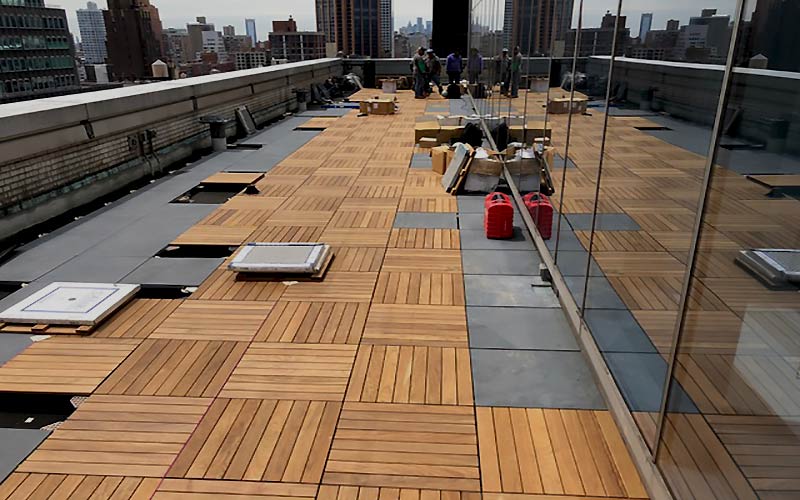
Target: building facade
x: 534, y: 24
x: 196, y: 30
x: 93, y: 34
x: 645, y: 25
x: 214, y: 42
x: 250, y: 29
x: 37, y: 54
x: 133, y: 29
x: 176, y: 45
x: 599, y: 41
x: 292, y: 45
x: 355, y: 26
x: 252, y: 59
x: 387, y: 29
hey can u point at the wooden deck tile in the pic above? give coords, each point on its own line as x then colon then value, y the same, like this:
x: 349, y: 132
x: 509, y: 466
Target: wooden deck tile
x: 259, y: 440
x: 223, y: 285
x: 766, y: 448
x: 214, y: 320
x: 337, y: 287
x: 214, y: 235
x: 299, y: 218
x: 754, y: 385
x: 554, y: 452
x: 411, y: 374
x: 314, y: 322
x: 356, y: 237
x: 232, y: 490
x: 138, y: 319
x: 286, y: 234
x: 369, y: 204
x: 405, y: 446
x: 694, y: 462
x: 395, y: 324
x: 24, y: 486
x: 422, y: 260
x: 445, y: 289
x: 64, y: 365
x: 438, y: 239
x: 233, y: 178
x: 440, y: 204
x: 183, y: 368
x: 355, y: 259
x: 312, y: 203
x: 629, y: 264
x: 119, y: 436
x: 329, y: 492
x: 317, y: 372
x: 620, y: 241
x: 363, y: 219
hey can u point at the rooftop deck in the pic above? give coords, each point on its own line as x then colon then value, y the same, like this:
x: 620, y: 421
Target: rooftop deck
x: 410, y: 372
x: 401, y: 375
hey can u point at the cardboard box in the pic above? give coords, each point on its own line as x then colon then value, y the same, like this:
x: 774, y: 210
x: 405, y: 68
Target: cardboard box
x: 561, y: 106
x: 428, y: 142
x: 389, y: 86
x: 439, y: 159
x: 449, y: 132
x: 377, y: 107
x: 426, y: 129
x: 530, y: 132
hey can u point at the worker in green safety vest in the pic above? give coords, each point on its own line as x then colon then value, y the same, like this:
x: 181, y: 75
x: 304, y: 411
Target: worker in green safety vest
x: 516, y: 72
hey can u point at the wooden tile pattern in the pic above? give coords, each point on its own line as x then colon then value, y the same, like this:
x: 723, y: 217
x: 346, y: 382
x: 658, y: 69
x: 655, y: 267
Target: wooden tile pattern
x: 357, y: 259
x: 554, y: 452
x: 314, y: 322
x: 396, y: 324
x: 406, y: 446
x: 336, y: 287
x: 431, y: 239
x: 441, y: 204
x: 119, y: 436
x: 64, y: 365
x: 184, y: 368
x: 328, y: 492
x: 138, y: 319
x: 214, y: 320
x: 24, y: 486
x: 435, y: 261
x: 259, y: 440
x: 317, y: 372
x: 232, y: 490
x: 411, y: 374
x: 420, y: 288
x: 222, y: 285
x: 210, y: 234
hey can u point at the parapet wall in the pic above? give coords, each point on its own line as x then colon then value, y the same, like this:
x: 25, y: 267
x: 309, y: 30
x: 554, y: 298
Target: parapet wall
x: 59, y: 153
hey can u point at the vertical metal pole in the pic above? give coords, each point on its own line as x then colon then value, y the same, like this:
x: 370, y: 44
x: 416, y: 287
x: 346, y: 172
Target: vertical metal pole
x: 716, y: 135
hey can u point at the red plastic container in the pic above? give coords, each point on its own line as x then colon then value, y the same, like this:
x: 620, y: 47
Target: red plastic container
x: 498, y: 220
x: 541, y: 211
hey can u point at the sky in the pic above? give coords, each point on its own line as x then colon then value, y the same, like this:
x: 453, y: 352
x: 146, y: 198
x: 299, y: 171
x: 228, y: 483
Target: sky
x: 176, y: 13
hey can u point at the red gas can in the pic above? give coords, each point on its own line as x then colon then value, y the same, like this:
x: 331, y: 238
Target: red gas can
x: 498, y: 220
x: 541, y: 211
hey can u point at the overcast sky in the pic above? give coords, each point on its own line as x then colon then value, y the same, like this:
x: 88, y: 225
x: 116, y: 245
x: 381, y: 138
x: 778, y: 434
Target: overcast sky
x: 176, y: 13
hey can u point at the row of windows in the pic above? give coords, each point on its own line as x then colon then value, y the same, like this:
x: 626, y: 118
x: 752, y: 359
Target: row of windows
x: 23, y: 3
x: 37, y: 83
x: 28, y: 21
x: 11, y: 64
x: 34, y: 42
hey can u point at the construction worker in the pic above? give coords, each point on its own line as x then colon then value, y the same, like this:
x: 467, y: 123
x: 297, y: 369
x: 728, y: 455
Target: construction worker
x: 420, y: 70
x: 474, y: 65
x: 454, y: 67
x: 434, y: 70
x: 503, y: 68
x: 516, y: 72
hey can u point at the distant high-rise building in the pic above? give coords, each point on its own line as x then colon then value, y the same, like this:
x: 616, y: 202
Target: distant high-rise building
x: 292, y: 45
x: 250, y: 29
x: 718, y: 35
x: 599, y: 41
x: 228, y: 31
x: 196, y: 36
x: 214, y: 42
x: 355, y: 26
x: 673, y: 25
x: 176, y: 45
x: 387, y: 29
x: 252, y: 59
x: 535, y: 22
x: 93, y: 34
x: 420, y: 25
x: 645, y: 24
x: 38, y: 53
x: 133, y: 31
